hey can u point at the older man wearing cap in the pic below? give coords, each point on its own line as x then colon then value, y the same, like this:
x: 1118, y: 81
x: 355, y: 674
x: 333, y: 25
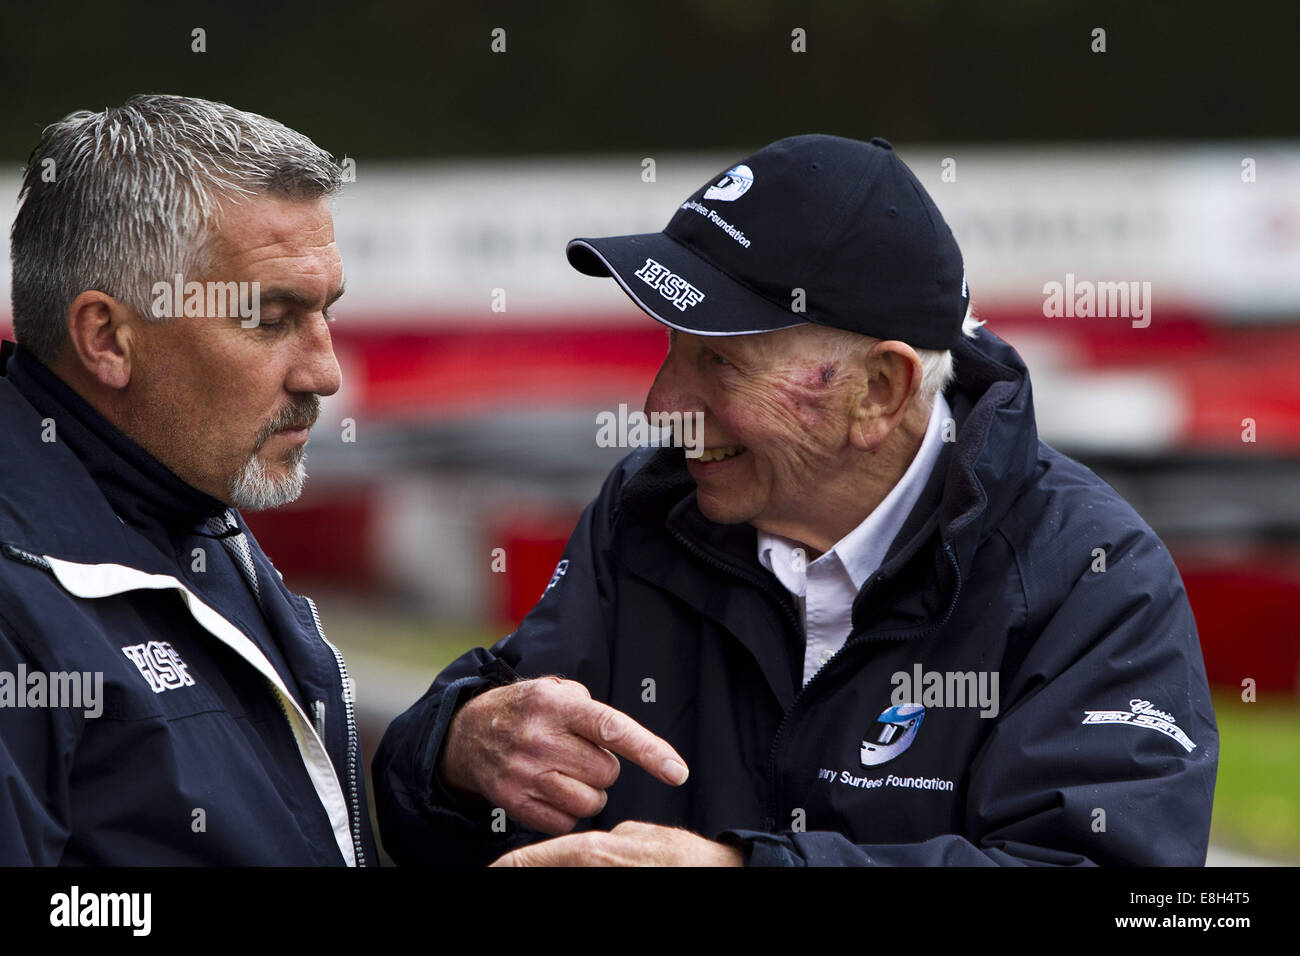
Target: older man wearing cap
x: 877, y: 621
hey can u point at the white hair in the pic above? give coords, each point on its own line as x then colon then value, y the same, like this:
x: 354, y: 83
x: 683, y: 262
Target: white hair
x: 118, y: 200
x: 937, y: 366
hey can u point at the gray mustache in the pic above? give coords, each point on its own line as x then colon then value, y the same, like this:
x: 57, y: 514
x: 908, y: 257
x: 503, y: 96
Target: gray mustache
x: 301, y: 413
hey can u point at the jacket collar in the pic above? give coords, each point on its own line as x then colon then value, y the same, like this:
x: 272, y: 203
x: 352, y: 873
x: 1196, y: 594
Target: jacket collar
x: 49, y: 503
x: 996, y: 451
x: 140, y: 490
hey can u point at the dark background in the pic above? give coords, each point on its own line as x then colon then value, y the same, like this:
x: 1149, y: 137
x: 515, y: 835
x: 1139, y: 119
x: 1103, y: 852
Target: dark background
x: 403, y: 79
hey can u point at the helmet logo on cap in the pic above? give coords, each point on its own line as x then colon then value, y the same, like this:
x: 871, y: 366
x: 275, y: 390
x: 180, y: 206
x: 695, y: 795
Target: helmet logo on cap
x: 733, y: 185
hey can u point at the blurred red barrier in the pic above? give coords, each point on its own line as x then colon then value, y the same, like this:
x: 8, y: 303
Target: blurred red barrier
x: 534, y: 545
x: 328, y: 538
x: 1247, y: 611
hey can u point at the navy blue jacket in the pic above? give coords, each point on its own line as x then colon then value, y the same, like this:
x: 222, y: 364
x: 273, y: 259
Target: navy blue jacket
x: 225, y: 732
x: 1103, y: 748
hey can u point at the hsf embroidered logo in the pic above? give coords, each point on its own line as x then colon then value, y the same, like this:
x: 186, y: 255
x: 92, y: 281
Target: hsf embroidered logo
x: 669, y: 285
x: 734, y: 184
x: 892, y: 733
x: 1142, y: 714
x: 160, y: 665
x: 560, y: 568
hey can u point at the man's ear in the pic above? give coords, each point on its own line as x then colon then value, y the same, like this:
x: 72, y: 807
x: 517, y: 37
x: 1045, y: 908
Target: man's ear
x: 893, y: 377
x: 101, y: 335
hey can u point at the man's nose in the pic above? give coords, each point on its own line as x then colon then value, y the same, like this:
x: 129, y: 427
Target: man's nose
x: 672, y: 390
x: 315, y: 369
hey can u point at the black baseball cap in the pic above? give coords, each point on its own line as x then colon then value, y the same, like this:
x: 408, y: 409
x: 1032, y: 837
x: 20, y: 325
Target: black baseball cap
x: 844, y: 221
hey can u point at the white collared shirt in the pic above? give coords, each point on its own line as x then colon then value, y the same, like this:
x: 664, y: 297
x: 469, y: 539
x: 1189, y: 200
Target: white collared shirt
x: 825, y: 589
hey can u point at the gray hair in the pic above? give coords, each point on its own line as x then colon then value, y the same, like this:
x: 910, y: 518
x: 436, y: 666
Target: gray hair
x: 937, y: 365
x: 118, y: 200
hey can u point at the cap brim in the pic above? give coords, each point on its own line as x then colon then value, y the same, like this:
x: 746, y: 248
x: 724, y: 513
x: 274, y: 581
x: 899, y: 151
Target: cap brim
x: 725, y: 307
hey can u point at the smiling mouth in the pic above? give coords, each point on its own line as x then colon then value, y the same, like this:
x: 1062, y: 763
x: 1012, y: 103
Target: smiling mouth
x: 720, y: 453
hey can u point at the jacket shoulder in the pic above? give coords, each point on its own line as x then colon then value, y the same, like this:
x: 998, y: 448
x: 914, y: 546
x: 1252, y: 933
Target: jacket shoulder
x: 49, y: 503
x: 1068, y: 522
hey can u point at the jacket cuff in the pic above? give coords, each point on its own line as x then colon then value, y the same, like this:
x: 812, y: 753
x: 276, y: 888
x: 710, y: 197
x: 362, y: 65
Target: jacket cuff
x: 761, y: 849
x: 436, y: 796
x: 493, y: 672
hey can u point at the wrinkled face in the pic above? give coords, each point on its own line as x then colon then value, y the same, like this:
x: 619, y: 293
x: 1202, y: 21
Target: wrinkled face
x: 228, y: 407
x: 777, y: 412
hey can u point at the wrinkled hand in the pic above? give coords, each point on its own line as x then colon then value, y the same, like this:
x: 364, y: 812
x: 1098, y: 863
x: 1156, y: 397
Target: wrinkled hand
x: 543, y: 750
x: 628, y: 844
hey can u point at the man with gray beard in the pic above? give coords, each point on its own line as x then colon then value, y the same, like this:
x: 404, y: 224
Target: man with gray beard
x: 134, y: 431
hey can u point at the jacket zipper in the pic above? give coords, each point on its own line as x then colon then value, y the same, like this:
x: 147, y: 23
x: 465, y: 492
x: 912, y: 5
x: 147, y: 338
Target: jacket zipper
x: 769, y: 816
x: 318, y: 717
x: 736, y: 572
x: 349, y: 710
x: 18, y: 554
x: 275, y: 692
x: 770, y: 819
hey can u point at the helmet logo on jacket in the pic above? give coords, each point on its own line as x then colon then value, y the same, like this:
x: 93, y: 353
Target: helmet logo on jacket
x: 891, y: 734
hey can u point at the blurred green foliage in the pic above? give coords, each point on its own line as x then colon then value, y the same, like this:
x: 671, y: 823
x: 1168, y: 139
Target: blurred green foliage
x: 1257, y: 796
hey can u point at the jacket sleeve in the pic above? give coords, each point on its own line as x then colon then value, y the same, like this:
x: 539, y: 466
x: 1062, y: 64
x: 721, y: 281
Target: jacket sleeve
x: 36, y: 749
x: 565, y: 634
x: 1046, y: 788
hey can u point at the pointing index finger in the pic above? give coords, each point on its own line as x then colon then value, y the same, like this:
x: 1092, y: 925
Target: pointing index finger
x: 619, y: 733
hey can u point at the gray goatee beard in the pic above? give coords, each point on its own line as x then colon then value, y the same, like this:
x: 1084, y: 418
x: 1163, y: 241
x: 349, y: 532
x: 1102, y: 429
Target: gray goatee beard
x: 255, y: 488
